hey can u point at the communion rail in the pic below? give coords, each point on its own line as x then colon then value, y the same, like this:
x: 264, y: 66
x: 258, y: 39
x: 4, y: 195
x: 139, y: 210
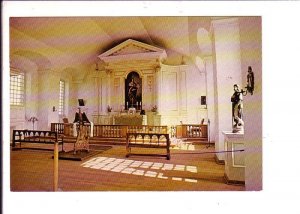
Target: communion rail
x: 148, y: 140
x: 108, y: 131
x: 35, y: 137
x: 120, y: 131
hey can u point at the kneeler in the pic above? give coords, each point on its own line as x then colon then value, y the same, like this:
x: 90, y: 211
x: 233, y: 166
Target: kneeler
x: 82, y: 140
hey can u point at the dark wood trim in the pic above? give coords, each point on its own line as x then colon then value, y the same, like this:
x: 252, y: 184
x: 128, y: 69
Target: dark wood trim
x: 233, y: 182
x: 35, y: 137
x: 218, y: 161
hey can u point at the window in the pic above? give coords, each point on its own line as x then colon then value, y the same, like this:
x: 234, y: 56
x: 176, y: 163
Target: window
x: 61, y: 109
x: 17, y: 89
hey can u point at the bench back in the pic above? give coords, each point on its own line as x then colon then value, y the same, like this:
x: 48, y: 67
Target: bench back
x: 152, y: 139
x: 34, y: 136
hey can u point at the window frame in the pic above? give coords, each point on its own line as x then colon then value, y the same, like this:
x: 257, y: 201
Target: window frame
x: 19, y: 89
x: 62, y: 98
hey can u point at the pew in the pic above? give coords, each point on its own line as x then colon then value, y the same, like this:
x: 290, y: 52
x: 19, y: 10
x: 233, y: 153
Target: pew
x: 148, y: 140
x: 35, y: 137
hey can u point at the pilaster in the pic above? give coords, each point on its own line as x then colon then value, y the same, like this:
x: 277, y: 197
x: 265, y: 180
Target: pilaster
x: 227, y: 73
x: 208, y: 63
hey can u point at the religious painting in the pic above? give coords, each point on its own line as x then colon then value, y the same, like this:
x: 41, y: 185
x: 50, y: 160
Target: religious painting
x: 133, y: 91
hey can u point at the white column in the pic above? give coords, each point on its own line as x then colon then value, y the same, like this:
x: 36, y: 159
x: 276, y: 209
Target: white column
x: 208, y: 63
x: 158, y: 80
x: 96, y: 99
x: 73, y: 99
x: 48, y: 98
x: 227, y: 73
x: 109, y: 91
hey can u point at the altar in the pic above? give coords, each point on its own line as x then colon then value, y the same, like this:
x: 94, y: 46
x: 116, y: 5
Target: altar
x: 128, y: 119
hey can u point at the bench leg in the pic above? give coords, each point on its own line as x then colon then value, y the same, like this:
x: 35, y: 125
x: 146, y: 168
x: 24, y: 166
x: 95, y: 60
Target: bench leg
x: 128, y: 151
x: 168, y: 152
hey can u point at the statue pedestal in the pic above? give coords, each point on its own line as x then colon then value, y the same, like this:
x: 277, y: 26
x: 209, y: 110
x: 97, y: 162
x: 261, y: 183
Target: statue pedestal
x: 234, y: 158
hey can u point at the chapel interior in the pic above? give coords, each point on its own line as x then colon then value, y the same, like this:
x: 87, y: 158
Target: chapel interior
x: 166, y: 79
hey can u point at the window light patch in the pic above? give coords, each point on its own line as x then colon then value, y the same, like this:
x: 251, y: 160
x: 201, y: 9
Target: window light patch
x: 135, y: 168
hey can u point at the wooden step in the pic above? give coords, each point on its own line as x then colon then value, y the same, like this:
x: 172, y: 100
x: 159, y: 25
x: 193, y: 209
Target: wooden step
x: 98, y: 140
x: 200, y: 140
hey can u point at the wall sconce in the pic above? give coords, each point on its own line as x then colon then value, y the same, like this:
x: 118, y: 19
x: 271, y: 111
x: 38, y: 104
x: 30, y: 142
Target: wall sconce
x: 33, y: 120
x: 53, y: 109
x: 250, y: 82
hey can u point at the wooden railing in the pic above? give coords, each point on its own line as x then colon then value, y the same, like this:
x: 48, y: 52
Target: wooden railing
x: 148, y: 129
x: 191, y: 131
x: 58, y: 127
x: 109, y: 131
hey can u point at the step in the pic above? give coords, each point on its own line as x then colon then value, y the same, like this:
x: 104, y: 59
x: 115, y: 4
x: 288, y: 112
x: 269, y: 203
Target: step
x: 98, y: 140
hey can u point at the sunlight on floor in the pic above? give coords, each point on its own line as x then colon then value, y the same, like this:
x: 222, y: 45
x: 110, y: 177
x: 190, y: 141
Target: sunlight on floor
x: 179, y: 144
x: 139, y: 168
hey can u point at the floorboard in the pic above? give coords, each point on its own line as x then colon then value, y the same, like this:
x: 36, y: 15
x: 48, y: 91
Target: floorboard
x: 32, y: 170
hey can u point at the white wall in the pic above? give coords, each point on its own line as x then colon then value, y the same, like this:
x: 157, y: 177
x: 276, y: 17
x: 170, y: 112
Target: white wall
x: 179, y: 92
x: 19, y: 115
x: 251, y: 46
x: 40, y: 95
x: 48, y: 96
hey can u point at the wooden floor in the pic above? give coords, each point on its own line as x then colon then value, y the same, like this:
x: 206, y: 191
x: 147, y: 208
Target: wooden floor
x: 32, y: 170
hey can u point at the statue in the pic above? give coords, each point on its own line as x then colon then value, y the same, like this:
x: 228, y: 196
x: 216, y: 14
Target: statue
x: 132, y: 92
x: 237, y: 110
x: 238, y: 127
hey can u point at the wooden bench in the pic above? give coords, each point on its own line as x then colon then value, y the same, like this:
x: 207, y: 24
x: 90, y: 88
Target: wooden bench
x: 148, y: 140
x: 35, y: 137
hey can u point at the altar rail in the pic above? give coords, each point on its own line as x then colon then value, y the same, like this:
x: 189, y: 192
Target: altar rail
x: 65, y: 129
x: 191, y: 131
x: 109, y: 131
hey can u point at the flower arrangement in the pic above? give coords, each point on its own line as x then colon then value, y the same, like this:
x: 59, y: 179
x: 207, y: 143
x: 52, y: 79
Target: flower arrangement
x: 109, y: 109
x: 154, y: 109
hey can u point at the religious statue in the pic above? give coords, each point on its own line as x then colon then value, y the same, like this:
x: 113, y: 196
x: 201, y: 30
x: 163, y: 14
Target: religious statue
x: 237, y: 110
x: 132, y: 91
x: 250, y: 80
x: 82, y: 140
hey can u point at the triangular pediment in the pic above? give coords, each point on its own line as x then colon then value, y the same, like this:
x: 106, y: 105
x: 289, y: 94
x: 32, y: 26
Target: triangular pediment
x: 130, y: 49
x: 131, y: 46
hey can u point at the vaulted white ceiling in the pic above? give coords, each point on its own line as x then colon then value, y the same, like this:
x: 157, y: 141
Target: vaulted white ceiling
x: 64, y: 42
